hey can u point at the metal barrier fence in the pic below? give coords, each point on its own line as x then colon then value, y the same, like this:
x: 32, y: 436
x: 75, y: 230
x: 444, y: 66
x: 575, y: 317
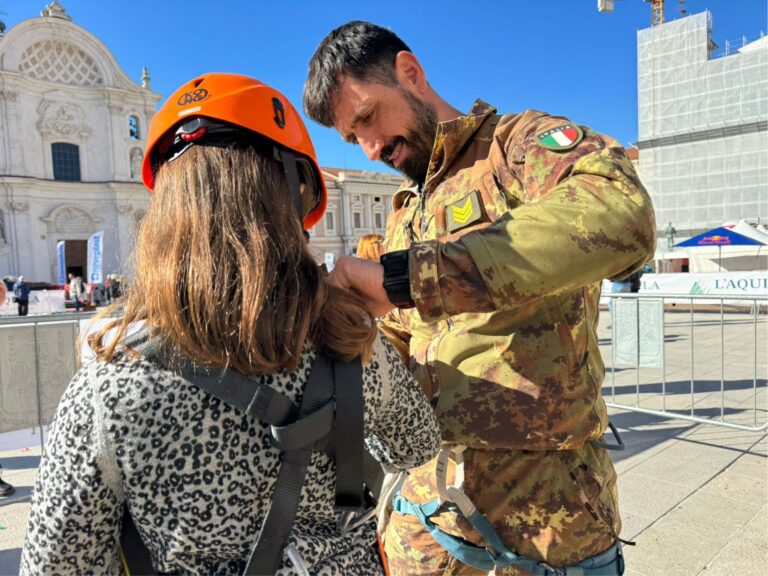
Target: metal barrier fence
x: 697, y: 358
x: 37, y: 361
x: 700, y: 358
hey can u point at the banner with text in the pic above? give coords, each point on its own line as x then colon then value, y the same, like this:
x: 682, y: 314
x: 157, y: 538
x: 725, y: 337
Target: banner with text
x: 95, y: 251
x: 721, y: 284
x: 61, y: 263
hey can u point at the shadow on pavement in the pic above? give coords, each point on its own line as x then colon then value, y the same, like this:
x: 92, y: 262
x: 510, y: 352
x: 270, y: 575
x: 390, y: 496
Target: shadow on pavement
x: 684, y: 386
x: 10, y: 561
x: 637, y: 441
x: 21, y: 494
x: 19, y: 462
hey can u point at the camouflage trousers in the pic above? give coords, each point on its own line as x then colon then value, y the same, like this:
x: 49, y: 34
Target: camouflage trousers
x: 560, y: 506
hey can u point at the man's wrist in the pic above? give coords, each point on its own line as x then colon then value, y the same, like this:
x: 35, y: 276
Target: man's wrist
x: 397, y: 278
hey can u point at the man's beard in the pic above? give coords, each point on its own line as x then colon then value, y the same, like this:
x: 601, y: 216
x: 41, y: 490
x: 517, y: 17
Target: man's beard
x: 419, y: 142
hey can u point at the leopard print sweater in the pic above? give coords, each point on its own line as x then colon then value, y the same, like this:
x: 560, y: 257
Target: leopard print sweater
x: 197, y: 474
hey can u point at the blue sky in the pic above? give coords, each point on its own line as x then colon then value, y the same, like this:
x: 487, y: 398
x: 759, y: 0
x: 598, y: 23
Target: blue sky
x: 561, y: 56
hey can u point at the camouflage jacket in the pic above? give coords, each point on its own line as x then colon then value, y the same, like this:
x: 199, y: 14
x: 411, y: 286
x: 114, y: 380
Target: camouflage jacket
x: 508, y: 242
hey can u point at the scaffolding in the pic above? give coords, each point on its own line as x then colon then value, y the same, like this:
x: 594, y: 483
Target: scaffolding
x: 702, y: 125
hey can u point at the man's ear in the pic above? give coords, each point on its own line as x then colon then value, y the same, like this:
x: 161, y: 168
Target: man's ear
x: 409, y: 72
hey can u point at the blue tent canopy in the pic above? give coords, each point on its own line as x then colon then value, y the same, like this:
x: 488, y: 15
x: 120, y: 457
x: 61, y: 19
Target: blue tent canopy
x: 719, y: 237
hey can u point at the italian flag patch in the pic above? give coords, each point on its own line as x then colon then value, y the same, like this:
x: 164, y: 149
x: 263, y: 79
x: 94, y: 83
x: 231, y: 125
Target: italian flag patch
x: 561, y: 138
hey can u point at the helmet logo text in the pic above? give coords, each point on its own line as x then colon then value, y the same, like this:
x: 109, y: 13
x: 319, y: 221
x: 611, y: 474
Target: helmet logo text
x: 279, y: 112
x: 193, y: 96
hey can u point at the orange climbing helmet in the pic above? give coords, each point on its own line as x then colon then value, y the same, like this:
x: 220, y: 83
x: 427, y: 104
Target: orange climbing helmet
x: 224, y: 110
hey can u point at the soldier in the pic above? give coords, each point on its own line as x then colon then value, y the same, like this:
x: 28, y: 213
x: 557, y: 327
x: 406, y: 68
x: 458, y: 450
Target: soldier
x: 496, y: 249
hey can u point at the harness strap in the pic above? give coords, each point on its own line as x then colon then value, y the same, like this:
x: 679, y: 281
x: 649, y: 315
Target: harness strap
x: 267, y: 554
x: 229, y: 386
x: 304, y: 432
x: 619, y: 442
x: 496, y: 554
x: 134, y: 556
x: 330, y: 418
x: 348, y: 436
x: 288, y: 160
x: 608, y: 563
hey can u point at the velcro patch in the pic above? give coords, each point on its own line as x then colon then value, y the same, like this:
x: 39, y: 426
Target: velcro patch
x: 464, y: 212
x: 563, y: 137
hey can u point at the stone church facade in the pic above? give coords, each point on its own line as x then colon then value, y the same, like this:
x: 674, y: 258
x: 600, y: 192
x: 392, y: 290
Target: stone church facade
x: 72, y: 134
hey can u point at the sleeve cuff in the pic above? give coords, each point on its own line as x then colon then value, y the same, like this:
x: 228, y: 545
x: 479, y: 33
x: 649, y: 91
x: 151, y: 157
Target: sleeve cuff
x: 425, y: 285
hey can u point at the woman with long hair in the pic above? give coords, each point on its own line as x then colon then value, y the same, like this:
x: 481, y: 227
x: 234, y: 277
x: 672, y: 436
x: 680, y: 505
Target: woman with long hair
x: 370, y: 247
x: 224, y: 283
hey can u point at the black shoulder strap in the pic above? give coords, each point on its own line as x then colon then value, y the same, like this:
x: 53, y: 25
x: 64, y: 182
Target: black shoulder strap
x: 134, y: 555
x: 267, y: 555
x: 332, y: 402
x: 349, y: 436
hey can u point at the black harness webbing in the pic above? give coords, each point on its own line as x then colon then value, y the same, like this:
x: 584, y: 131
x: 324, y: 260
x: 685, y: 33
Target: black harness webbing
x: 348, y: 436
x: 266, y: 556
x: 330, y: 418
x: 288, y: 160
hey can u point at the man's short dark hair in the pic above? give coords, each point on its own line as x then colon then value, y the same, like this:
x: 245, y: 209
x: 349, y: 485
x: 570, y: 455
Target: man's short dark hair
x: 358, y: 49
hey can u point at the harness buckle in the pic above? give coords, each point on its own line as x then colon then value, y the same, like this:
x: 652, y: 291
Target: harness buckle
x: 551, y: 570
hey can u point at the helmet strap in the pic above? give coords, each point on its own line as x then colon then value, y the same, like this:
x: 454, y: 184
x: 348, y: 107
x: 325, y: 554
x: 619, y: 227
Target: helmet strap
x: 288, y: 160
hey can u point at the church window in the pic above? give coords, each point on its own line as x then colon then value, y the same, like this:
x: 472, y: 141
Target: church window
x: 66, y: 161
x: 133, y: 128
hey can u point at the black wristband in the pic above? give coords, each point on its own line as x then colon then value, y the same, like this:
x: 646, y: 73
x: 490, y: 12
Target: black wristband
x: 397, y: 278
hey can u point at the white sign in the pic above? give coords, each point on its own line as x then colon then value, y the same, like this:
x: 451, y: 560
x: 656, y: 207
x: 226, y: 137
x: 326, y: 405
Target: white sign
x: 61, y: 263
x: 638, y: 333
x: 330, y: 260
x: 705, y: 283
x: 95, y: 252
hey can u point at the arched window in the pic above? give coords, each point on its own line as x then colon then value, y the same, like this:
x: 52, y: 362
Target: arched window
x: 133, y: 128
x: 66, y: 161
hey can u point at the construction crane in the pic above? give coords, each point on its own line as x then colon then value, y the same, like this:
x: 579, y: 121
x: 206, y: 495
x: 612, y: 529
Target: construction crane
x: 657, y: 9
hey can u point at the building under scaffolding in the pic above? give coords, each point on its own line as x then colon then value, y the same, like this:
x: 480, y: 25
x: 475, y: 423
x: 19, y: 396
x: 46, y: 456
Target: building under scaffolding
x: 703, y: 126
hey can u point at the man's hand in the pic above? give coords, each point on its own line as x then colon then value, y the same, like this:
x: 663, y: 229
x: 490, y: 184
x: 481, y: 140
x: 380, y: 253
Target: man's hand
x: 366, y: 279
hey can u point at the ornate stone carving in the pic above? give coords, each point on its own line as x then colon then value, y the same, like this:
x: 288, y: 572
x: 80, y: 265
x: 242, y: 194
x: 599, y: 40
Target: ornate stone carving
x: 9, y: 95
x: 136, y: 159
x: 115, y: 108
x: 58, y: 61
x: 18, y: 207
x: 145, y: 79
x: 123, y: 208
x: 70, y: 219
x: 55, y: 10
x: 62, y: 119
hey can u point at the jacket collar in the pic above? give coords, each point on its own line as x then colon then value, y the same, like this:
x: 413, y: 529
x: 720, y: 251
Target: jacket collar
x: 450, y: 139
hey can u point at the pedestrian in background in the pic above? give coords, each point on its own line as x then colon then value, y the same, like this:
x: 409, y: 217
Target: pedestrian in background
x: 76, y: 290
x: 370, y: 247
x: 115, y: 287
x: 21, y: 292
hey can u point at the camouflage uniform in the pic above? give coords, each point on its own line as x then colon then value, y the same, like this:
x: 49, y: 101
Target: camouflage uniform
x: 509, y: 241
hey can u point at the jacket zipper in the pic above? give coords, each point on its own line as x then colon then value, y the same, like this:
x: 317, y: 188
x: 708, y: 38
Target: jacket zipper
x: 422, y: 213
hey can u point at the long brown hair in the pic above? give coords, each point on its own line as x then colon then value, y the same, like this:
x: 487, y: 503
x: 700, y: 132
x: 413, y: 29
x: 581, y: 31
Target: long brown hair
x: 224, y: 273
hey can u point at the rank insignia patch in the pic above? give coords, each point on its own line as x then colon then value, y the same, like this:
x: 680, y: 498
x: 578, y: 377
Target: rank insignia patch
x: 563, y: 137
x: 463, y: 213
